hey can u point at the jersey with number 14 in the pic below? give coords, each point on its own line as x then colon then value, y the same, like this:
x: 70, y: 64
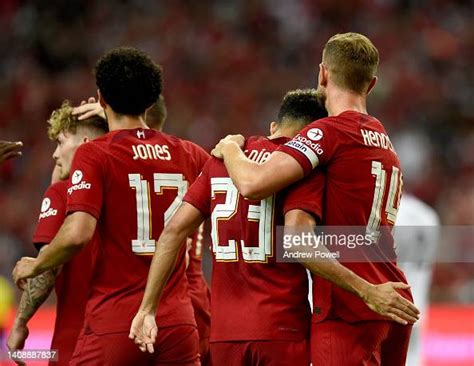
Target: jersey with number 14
x: 132, y: 181
x: 363, y: 190
x: 253, y: 297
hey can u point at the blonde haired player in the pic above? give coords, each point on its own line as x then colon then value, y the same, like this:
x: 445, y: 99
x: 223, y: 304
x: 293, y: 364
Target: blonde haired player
x: 72, y: 281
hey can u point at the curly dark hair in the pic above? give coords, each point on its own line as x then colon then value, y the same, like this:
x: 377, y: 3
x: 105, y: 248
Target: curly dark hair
x: 128, y: 80
x: 301, y: 105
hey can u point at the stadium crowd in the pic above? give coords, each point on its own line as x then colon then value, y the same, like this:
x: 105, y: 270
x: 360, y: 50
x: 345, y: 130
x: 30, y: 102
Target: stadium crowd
x: 227, y: 65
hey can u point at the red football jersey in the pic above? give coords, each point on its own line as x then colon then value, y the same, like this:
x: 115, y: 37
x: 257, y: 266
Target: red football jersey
x: 72, y: 283
x: 363, y: 189
x: 307, y: 195
x: 253, y: 296
x: 132, y: 181
x: 198, y: 288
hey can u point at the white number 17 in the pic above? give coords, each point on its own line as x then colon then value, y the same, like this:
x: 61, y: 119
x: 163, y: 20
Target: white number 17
x: 144, y: 243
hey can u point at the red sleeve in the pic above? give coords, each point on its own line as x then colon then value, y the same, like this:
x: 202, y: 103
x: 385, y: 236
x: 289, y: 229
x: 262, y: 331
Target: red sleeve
x: 202, y: 156
x: 199, y: 155
x: 51, y: 217
x: 199, y: 194
x: 307, y: 195
x: 312, y: 146
x: 86, y: 181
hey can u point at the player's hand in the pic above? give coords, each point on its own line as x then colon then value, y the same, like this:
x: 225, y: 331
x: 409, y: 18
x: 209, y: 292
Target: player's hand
x: 9, y: 150
x: 229, y: 139
x: 144, y: 331
x: 385, y: 300
x: 88, y: 109
x: 25, y: 268
x: 17, y: 337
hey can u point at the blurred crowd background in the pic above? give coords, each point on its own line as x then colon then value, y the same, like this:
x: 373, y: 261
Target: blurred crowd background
x: 227, y: 65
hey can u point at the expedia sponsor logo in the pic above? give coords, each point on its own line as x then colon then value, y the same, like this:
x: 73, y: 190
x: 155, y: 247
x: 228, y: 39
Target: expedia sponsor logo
x: 45, y: 204
x: 46, y: 209
x: 315, y: 134
x: 316, y: 147
x: 50, y: 212
x: 77, y: 187
x: 76, y: 177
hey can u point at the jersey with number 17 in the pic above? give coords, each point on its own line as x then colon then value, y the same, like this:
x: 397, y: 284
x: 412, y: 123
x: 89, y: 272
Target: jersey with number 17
x: 132, y: 182
x: 363, y: 188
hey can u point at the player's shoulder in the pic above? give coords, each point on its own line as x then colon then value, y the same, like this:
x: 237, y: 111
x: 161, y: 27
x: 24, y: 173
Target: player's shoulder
x: 420, y: 213
x: 59, y: 187
x: 192, y: 146
x: 257, y: 141
x: 53, y: 199
x: 54, y: 195
x: 346, y: 118
x: 178, y: 142
x: 192, y: 152
x: 214, y: 166
x: 252, y: 141
x: 323, y: 124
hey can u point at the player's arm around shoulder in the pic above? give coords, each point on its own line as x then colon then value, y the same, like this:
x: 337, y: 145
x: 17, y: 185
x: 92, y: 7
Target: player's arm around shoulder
x: 199, y: 155
x: 381, y: 298
x: 253, y: 180
x: 77, y: 230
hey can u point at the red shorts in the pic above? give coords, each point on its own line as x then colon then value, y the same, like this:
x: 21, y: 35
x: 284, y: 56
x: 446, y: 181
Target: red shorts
x: 204, y: 351
x: 65, y: 347
x: 369, y: 343
x: 175, y: 345
x: 268, y: 353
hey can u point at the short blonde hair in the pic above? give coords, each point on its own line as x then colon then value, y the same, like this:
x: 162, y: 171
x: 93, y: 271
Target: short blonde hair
x: 352, y: 60
x: 62, y: 120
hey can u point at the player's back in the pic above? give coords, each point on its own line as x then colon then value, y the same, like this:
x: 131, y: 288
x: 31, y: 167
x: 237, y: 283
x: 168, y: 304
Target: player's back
x: 364, y: 184
x: 253, y: 296
x: 363, y: 189
x: 141, y: 176
x: 363, y: 173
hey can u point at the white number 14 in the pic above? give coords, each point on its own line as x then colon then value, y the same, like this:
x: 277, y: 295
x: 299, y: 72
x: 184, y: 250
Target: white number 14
x: 393, y: 199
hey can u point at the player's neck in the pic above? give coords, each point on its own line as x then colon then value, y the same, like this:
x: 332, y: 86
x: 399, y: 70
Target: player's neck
x: 339, y: 101
x: 124, y: 122
x: 284, y: 132
x: 275, y: 135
